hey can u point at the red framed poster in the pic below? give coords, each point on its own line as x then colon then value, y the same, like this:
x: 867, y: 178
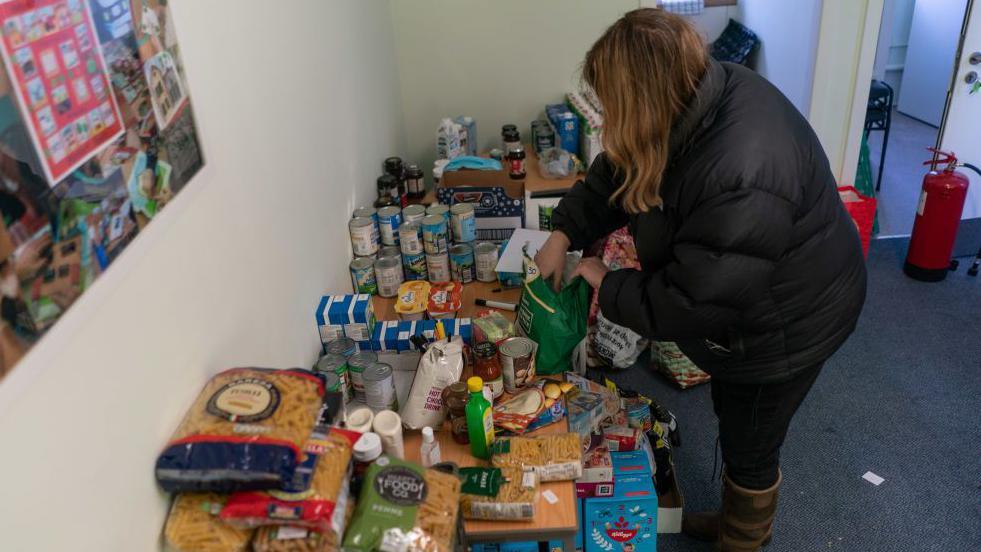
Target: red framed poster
x: 58, y: 72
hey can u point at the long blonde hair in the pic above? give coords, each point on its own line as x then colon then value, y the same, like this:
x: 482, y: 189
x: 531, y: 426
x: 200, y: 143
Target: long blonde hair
x: 644, y: 70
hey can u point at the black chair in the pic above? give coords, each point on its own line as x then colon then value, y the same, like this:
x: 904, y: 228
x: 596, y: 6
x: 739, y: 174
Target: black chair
x: 878, y: 116
x: 736, y: 44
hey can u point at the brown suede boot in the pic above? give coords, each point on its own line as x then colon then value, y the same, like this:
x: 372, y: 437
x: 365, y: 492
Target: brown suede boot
x: 703, y: 526
x: 746, y: 522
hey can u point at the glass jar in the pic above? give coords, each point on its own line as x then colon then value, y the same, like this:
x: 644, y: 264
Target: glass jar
x: 488, y: 367
x: 455, y: 398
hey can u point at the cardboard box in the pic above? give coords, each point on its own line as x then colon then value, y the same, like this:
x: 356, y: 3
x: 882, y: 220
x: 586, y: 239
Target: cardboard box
x: 579, y: 533
x: 626, y: 520
x: 394, y: 335
x: 670, y: 506
x: 345, y: 315
x: 630, y: 463
x: 499, y: 202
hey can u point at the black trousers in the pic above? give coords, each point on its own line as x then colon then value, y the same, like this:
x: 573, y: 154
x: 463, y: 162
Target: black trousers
x: 753, y: 422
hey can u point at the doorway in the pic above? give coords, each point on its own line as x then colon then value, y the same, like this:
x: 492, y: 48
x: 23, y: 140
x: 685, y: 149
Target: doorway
x: 914, y: 62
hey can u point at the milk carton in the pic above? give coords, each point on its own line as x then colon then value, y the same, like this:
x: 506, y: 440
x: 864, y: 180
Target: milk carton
x: 448, y: 140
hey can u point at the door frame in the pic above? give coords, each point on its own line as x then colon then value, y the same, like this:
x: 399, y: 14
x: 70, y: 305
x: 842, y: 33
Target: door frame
x: 954, y: 74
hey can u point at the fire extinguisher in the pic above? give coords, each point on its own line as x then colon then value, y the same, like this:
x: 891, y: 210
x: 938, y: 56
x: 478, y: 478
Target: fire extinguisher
x: 938, y: 215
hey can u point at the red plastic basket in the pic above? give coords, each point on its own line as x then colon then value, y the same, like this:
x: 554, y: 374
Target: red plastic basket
x: 862, y: 210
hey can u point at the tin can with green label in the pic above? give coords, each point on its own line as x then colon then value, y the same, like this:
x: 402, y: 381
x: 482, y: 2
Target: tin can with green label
x: 356, y: 365
x: 335, y: 365
x: 363, y: 275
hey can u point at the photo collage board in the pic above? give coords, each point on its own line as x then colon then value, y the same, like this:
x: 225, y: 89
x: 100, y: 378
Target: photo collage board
x: 97, y: 135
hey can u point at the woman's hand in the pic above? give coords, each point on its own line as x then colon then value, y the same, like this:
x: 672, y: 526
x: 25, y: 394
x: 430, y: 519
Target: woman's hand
x: 551, y: 257
x: 593, y: 270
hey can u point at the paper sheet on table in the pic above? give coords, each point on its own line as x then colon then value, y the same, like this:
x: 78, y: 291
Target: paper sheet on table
x: 511, y: 259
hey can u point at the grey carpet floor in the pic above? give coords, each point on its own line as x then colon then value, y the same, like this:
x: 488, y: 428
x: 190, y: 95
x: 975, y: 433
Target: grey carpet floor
x: 903, y: 173
x: 902, y: 399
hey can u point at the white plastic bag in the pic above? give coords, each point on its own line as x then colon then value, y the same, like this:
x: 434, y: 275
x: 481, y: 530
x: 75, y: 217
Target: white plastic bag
x: 441, y: 365
x: 613, y: 345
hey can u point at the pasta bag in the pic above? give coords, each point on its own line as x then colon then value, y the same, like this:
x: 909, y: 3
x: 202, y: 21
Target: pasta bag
x: 193, y: 525
x: 404, y: 507
x: 245, y: 431
x: 514, y: 495
x: 320, y: 506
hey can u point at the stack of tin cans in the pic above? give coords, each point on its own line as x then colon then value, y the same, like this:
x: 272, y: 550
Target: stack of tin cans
x: 437, y: 244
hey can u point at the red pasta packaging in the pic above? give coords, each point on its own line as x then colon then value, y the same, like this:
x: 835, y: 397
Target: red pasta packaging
x: 320, y: 505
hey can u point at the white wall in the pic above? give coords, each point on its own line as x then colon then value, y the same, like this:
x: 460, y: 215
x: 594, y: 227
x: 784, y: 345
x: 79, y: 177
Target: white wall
x: 890, y: 57
x: 500, y: 61
x: 297, y: 107
x: 788, y: 33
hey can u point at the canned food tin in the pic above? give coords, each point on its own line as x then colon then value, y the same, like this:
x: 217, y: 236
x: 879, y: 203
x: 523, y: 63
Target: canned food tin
x: 439, y: 268
x: 414, y: 266
x: 463, y: 222
x: 388, y: 273
x: 410, y: 237
x: 389, y: 219
x: 390, y: 251
x: 485, y: 261
x: 379, y: 387
x: 344, y: 346
x: 434, y: 235
x: 363, y: 238
x: 439, y: 209
x: 517, y: 356
x: 363, y: 275
x: 335, y: 365
x: 413, y: 213
x: 367, y: 212
x: 356, y: 365
x: 461, y: 263
x: 545, y: 217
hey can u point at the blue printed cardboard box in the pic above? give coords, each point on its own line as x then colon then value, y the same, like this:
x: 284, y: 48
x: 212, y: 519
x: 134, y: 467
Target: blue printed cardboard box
x: 394, y: 335
x: 499, y: 202
x: 345, y: 316
x: 624, y: 522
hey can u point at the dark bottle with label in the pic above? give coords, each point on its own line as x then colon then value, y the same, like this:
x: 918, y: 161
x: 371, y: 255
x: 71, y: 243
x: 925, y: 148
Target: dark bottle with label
x: 415, y: 183
x: 516, y: 163
x: 512, y: 140
x: 395, y: 167
x: 387, y: 190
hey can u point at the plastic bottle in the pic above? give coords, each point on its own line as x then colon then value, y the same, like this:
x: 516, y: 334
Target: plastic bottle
x: 367, y: 449
x: 480, y: 420
x: 429, y: 451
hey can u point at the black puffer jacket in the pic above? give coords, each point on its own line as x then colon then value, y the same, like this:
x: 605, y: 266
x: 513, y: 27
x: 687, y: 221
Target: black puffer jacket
x: 753, y: 265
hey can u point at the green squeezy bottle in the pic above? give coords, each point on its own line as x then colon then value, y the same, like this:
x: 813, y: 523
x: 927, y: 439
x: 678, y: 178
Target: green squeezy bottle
x: 480, y: 419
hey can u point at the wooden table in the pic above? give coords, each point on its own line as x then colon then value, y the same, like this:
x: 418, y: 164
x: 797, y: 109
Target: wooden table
x: 552, y: 521
x: 534, y: 181
x: 385, y: 306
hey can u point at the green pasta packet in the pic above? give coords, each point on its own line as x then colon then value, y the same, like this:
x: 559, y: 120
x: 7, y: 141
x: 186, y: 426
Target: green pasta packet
x: 385, y: 517
x: 481, y: 481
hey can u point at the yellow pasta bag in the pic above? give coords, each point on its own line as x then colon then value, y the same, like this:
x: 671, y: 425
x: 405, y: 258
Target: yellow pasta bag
x: 245, y: 431
x: 193, y: 525
x: 279, y: 538
x: 555, y: 457
x: 319, y: 504
x: 404, y: 507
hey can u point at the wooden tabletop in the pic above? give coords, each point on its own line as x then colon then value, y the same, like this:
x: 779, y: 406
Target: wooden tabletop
x: 385, y: 307
x: 549, y: 518
x: 534, y: 181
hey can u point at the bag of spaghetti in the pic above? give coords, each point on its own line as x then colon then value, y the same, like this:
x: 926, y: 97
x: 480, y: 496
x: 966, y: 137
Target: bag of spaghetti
x: 245, y: 431
x: 553, y: 457
x: 404, y: 507
x: 193, y: 525
x: 498, y: 494
x: 316, y: 499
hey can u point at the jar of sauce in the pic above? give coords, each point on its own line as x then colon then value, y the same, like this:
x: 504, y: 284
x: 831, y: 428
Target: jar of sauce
x: 488, y: 367
x: 455, y: 398
x: 516, y: 163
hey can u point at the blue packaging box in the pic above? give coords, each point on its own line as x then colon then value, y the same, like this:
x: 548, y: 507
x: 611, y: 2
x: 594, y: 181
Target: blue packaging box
x: 579, y: 532
x: 566, y: 126
x: 394, y: 335
x: 524, y: 546
x: 625, y: 521
x: 345, y: 315
x: 633, y: 462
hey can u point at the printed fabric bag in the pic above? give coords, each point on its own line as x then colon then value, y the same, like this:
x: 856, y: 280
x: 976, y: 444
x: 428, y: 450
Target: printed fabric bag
x: 556, y: 321
x: 670, y: 361
x: 609, y: 344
